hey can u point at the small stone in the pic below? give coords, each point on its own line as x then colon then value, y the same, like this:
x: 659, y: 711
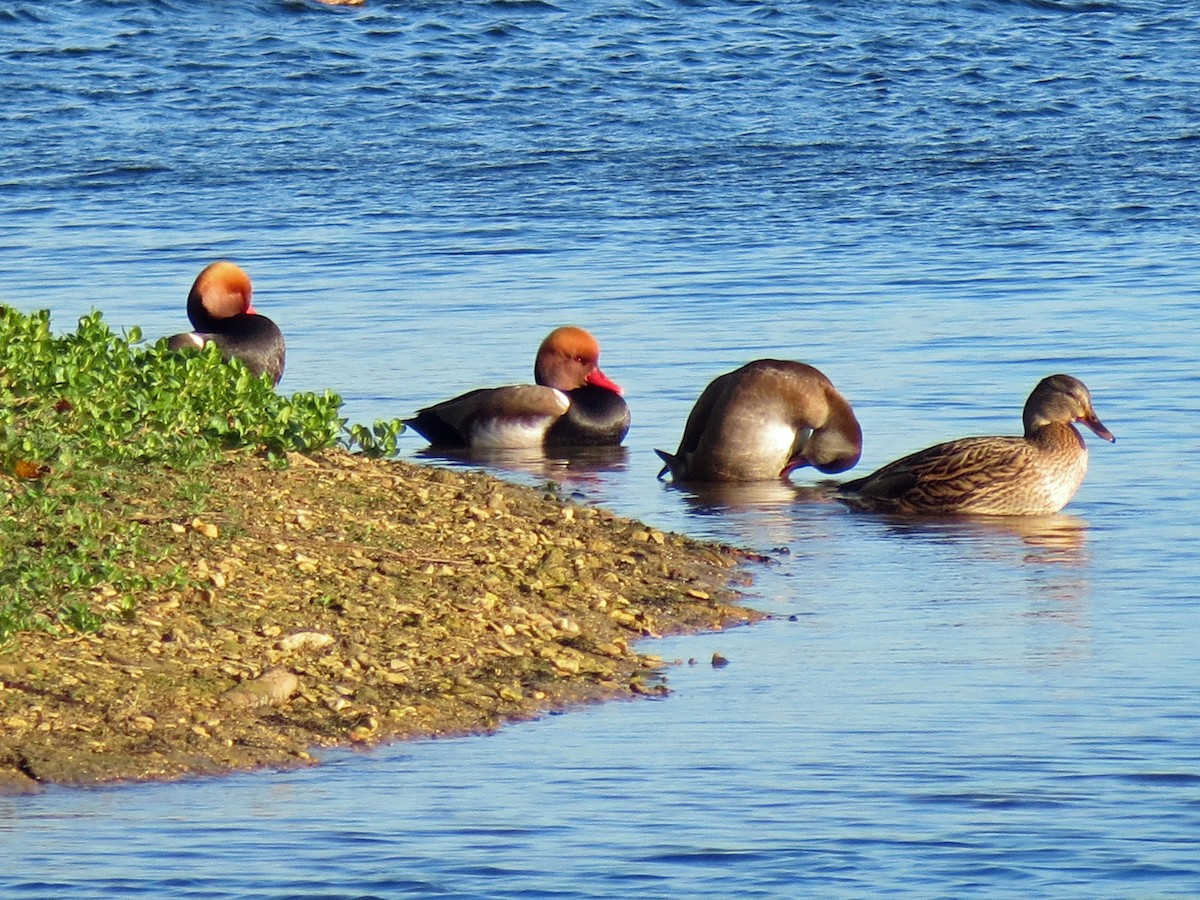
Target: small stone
x: 305, y: 640
x: 272, y: 688
x: 510, y: 649
x: 208, y: 529
x: 363, y: 730
x: 566, y: 664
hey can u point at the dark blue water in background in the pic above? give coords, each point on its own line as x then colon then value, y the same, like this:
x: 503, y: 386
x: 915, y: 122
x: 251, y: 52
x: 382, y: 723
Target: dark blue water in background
x: 935, y: 203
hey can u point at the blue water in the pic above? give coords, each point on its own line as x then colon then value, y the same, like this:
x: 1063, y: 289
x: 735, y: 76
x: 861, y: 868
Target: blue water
x: 935, y: 203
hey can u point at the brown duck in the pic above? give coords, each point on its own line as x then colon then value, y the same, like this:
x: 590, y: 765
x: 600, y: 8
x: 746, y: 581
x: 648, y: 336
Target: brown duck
x: 763, y: 421
x: 1036, y: 474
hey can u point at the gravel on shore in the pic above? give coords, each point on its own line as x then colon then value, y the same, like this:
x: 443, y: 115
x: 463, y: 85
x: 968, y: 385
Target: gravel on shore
x: 346, y: 600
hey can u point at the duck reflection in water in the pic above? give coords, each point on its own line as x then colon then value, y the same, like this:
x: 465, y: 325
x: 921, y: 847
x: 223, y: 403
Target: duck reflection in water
x: 707, y: 497
x: 572, y: 464
x: 1055, y: 538
x: 1029, y: 572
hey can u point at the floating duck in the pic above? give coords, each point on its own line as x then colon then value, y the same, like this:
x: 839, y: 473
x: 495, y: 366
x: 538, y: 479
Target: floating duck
x: 219, y: 309
x: 763, y: 421
x: 572, y: 404
x: 1036, y: 474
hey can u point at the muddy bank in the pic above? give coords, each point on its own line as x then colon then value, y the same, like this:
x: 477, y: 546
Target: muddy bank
x: 348, y: 600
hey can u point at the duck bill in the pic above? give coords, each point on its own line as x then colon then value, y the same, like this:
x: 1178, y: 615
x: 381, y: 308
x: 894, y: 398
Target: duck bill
x: 796, y: 462
x: 599, y: 379
x: 1098, y: 427
x: 250, y: 310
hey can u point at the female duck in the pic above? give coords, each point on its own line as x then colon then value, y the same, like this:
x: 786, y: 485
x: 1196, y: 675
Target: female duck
x: 572, y: 404
x: 219, y: 309
x: 761, y: 422
x: 1036, y: 474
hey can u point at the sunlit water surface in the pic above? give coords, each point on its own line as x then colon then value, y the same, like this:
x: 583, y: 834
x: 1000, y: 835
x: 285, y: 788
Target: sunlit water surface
x: 937, y: 204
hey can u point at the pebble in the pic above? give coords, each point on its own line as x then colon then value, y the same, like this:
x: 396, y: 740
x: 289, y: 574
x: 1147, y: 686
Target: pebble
x: 305, y: 640
x: 272, y: 688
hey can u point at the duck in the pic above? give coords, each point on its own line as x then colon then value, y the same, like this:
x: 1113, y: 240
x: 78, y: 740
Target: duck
x: 571, y: 403
x: 220, y: 311
x: 764, y: 421
x: 1035, y: 474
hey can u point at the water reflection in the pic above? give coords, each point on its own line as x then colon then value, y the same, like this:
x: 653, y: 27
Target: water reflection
x: 1029, y: 577
x: 1058, y: 538
x: 709, y: 498
x: 576, y: 466
x: 766, y: 514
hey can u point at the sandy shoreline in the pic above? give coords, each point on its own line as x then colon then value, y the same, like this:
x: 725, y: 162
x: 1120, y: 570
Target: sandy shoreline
x: 355, y: 601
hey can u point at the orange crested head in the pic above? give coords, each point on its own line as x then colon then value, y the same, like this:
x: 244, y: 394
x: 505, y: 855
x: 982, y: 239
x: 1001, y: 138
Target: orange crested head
x: 569, y: 358
x: 221, y: 291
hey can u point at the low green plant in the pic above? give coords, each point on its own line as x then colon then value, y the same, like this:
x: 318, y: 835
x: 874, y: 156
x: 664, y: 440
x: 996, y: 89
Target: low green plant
x: 89, y: 423
x: 378, y: 440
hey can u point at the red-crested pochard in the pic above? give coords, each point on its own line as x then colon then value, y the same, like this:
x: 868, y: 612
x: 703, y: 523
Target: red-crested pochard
x: 762, y: 421
x: 219, y: 309
x: 572, y: 404
x: 1036, y: 474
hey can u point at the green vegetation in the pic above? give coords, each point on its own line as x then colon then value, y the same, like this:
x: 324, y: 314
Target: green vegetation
x: 99, y: 437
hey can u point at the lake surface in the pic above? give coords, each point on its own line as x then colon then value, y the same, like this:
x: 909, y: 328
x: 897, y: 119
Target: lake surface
x: 937, y: 204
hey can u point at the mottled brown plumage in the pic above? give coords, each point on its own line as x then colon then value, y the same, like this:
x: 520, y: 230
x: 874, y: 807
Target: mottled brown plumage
x: 1035, y: 474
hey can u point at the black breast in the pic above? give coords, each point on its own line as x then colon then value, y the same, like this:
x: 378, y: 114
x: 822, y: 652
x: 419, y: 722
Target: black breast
x: 255, y: 340
x: 598, y: 417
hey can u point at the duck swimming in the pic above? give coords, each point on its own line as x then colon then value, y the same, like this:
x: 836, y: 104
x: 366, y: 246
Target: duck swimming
x: 763, y: 421
x: 1036, y: 474
x: 220, y: 312
x: 571, y: 404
